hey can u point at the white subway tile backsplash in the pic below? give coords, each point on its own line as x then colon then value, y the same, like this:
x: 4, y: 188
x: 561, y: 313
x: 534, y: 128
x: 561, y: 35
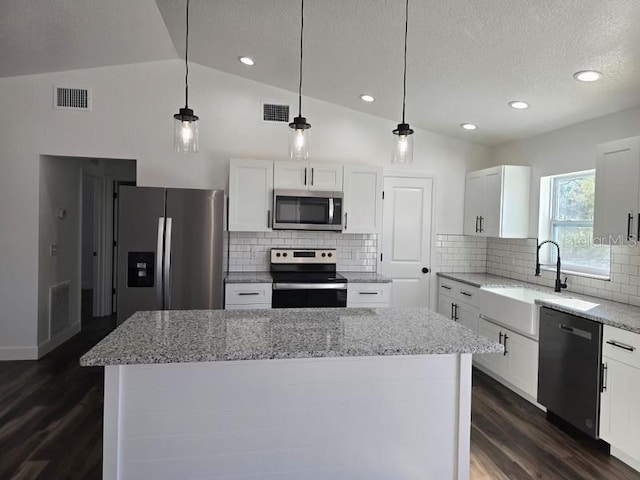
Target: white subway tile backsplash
x: 460, y: 253
x: 249, y: 251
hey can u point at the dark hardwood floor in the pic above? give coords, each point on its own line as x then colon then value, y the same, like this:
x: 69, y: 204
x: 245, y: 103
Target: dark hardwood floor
x: 51, y: 425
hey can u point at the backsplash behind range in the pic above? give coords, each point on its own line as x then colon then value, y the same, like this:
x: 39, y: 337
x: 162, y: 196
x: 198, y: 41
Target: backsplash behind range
x: 250, y: 251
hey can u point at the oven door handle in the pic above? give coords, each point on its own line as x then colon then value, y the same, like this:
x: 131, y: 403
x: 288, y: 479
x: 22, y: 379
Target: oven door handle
x: 309, y: 286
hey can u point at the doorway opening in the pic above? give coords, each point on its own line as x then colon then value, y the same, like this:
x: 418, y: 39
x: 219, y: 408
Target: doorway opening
x: 76, y: 243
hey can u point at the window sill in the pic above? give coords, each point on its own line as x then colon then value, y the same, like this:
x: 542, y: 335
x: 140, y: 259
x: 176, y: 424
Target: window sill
x: 578, y: 274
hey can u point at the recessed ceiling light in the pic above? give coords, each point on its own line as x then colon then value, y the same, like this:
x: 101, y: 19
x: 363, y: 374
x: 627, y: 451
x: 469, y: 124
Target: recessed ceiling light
x: 518, y: 104
x: 247, y: 61
x: 587, y: 76
x: 367, y: 98
x: 468, y: 126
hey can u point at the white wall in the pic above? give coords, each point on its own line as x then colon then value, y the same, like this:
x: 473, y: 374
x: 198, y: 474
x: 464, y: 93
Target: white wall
x: 568, y: 149
x: 132, y: 117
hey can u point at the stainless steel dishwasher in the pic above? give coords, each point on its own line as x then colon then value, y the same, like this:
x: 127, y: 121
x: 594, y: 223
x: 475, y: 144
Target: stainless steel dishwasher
x: 569, y: 374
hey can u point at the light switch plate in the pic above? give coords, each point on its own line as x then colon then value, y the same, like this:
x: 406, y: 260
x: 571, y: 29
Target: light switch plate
x: 53, y: 250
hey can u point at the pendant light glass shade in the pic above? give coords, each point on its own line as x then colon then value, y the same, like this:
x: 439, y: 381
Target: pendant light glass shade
x: 185, y: 123
x: 402, y: 145
x: 185, y: 131
x: 299, y: 136
x: 403, y: 140
x: 299, y: 139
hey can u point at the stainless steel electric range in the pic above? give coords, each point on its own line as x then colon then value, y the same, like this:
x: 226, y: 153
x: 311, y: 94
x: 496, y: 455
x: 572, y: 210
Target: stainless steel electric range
x: 306, y: 279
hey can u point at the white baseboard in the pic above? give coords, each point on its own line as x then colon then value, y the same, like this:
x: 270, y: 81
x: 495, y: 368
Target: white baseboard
x: 61, y: 337
x: 628, y: 459
x: 18, y: 353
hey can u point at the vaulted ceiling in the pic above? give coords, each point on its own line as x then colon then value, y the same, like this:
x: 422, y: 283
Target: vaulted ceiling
x: 466, y: 59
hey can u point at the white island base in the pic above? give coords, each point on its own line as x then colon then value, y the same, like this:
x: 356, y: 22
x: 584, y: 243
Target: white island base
x: 356, y: 418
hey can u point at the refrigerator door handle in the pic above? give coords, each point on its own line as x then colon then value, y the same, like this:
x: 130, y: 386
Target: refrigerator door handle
x: 159, y: 249
x: 167, y: 265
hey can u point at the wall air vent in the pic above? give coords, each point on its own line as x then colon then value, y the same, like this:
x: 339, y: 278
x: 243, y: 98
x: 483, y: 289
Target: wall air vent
x: 71, y: 98
x: 272, y: 112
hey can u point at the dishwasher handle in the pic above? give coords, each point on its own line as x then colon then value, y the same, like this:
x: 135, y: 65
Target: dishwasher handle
x: 575, y: 331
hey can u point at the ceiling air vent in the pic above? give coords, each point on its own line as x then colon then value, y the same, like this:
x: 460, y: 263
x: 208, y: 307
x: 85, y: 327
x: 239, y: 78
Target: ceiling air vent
x: 71, y: 98
x: 275, y: 113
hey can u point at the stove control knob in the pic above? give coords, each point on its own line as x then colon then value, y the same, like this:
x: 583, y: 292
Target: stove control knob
x: 278, y: 254
x: 324, y: 254
x: 330, y: 254
x: 284, y: 254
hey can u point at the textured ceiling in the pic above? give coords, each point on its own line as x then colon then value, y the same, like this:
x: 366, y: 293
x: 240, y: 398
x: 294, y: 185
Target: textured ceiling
x: 467, y: 58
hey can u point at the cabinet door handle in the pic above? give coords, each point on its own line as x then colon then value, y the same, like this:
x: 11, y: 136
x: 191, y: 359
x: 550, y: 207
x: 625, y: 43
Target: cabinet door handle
x: 268, y: 218
x: 629, y: 220
x: 623, y: 346
x: 477, y: 218
x: 345, y: 220
x: 481, y: 227
x: 457, y: 318
x: 603, y: 374
x: 506, y: 337
x: 638, y: 236
x: 445, y: 287
x: 500, y: 337
x: 368, y: 293
x: 244, y: 294
x: 312, y: 176
x: 305, y: 175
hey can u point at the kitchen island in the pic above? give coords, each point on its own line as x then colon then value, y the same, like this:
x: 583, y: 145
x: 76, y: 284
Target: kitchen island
x: 288, y: 394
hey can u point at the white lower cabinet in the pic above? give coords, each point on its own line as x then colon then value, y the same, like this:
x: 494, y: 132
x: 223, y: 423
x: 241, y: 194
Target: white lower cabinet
x: 247, y: 296
x: 519, y: 364
x: 459, y: 302
x: 368, y: 295
x: 620, y: 399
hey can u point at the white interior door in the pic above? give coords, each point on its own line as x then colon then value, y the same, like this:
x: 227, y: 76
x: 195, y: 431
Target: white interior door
x: 406, y: 239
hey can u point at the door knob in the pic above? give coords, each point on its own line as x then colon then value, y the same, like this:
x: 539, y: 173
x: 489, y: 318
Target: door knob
x: 425, y: 270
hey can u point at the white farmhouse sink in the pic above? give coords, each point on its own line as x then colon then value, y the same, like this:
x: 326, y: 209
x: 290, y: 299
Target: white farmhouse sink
x: 513, y: 307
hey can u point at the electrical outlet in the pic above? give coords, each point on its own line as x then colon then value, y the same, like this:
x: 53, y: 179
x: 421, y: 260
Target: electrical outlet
x: 53, y: 250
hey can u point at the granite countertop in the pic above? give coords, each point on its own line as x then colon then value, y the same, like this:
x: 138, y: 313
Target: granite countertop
x: 365, y: 277
x: 248, y: 277
x: 607, y: 312
x: 219, y: 335
x: 481, y: 279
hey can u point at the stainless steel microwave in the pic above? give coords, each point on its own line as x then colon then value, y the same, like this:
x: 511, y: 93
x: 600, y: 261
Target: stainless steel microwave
x: 305, y: 210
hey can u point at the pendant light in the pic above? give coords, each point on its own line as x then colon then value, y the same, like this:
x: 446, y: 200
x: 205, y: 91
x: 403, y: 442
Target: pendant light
x: 403, y: 141
x: 185, y: 131
x: 299, y: 138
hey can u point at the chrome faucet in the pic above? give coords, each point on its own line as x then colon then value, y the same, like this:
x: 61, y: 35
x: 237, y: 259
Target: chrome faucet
x: 559, y: 284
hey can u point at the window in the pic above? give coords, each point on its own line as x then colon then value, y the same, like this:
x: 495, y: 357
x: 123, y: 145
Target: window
x: 566, y: 216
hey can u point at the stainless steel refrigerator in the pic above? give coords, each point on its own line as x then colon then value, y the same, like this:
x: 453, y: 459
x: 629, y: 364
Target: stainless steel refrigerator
x: 170, y: 244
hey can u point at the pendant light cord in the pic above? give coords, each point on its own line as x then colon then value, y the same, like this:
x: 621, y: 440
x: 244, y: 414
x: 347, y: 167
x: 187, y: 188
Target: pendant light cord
x: 301, y: 37
x: 186, y: 61
x: 404, y: 88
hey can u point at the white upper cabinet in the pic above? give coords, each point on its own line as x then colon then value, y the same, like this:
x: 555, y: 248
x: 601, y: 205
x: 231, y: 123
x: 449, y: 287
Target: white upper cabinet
x: 362, y: 199
x: 617, y: 200
x: 497, y: 202
x: 250, y: 192
x: 308, y: 176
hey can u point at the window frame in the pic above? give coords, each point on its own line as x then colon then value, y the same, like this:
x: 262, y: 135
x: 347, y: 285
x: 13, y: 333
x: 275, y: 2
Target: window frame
x: 549, y: 224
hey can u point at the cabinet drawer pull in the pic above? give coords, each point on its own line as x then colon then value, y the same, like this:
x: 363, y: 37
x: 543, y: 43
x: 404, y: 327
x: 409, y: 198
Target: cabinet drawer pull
x: 466, y: 294
x: 629, y: 220
x: 623, y: 346
x: 603, y: 374
x: 243, y: 294
x: 506, y: 337
x: 445, y: 287
x: 368, y: 293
